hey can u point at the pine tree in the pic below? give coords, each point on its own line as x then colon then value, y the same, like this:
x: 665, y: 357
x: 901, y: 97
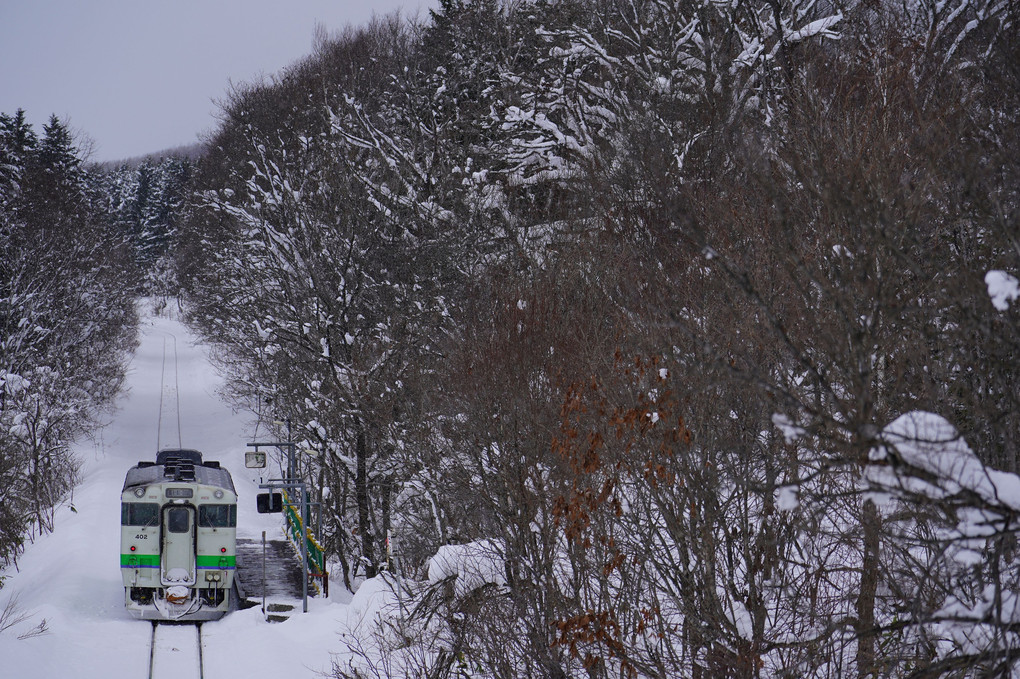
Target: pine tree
x: 17, y: 143
x: 66, y: 319
x: 139, y: 207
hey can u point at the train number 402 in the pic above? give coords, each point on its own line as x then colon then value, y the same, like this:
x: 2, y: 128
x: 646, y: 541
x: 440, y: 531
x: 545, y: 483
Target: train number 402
x: 141, y: 536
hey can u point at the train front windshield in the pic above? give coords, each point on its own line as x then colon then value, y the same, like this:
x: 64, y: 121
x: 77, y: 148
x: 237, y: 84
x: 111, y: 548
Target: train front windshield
x: 139, y: 514
x: 217, y: 516
x: 178, y: 520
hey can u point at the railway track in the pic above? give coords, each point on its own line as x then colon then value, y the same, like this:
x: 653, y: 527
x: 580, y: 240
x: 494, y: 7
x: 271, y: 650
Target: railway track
x: 175, y: 651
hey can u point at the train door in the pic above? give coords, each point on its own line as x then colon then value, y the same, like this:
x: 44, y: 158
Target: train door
x: 177, y: 562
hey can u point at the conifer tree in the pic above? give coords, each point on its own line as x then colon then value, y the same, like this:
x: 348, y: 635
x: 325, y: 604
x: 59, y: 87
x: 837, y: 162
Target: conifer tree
x: 67, y: 320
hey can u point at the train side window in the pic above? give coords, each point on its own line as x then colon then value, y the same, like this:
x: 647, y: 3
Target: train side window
x: 217, y: 516
x: 178, y: 520
x: 139, y: 514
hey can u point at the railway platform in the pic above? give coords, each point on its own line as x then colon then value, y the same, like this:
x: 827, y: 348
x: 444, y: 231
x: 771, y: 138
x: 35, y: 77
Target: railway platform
x: 282, y: 583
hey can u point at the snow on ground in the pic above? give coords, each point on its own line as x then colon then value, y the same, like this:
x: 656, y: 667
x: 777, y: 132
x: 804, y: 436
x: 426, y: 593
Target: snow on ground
x: 71, y: 578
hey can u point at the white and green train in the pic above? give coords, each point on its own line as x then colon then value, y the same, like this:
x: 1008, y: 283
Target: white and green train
x: 178, y: 538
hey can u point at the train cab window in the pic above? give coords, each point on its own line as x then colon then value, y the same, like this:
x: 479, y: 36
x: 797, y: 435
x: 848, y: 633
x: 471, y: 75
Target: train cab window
x: 178, y: 519
x: 139, y: 514
x: 217, y: 516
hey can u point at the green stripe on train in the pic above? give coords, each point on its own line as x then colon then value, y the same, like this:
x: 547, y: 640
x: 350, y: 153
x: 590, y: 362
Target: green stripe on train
x: 216, y: 561
x: 139, y: 560
x: 152, y: 561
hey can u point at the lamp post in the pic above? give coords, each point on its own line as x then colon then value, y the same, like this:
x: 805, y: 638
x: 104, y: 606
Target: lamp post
x: 291, y: 482
x: 302, y: 488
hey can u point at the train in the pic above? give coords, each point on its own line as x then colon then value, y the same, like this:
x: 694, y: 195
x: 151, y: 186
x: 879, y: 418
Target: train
x: 178, y: 553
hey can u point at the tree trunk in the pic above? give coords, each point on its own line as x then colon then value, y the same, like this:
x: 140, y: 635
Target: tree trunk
x: 364, y: 504
x: 865, y: 627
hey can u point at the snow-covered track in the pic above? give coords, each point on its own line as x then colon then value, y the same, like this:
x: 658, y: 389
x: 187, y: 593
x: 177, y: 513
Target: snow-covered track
x: 175, y: 651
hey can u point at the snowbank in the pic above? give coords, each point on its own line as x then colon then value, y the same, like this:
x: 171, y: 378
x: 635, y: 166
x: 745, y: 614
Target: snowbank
x: 929, y: 443
x: 473, y: 565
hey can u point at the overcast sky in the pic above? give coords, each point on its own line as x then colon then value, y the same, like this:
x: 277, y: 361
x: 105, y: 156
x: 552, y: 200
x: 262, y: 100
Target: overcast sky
x: 139, y: 76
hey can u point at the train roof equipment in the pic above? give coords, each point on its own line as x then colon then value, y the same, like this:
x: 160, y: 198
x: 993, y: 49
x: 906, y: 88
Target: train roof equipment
x: 178, y: 465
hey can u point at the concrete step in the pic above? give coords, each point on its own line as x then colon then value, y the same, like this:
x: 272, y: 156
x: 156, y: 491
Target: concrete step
x: 282, y: 570
x: 278, y: 612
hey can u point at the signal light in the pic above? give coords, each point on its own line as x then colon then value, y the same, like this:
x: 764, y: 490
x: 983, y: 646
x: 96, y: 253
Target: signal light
x: 223, y: 550
x: 132, y: 548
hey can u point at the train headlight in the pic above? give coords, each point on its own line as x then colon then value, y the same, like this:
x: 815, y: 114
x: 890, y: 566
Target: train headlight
x: 212, y: 577
x: 140, y: 492
x: 217, y: 493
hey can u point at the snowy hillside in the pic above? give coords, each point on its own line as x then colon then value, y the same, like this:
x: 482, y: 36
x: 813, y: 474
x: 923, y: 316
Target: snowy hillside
x: 70, y: 578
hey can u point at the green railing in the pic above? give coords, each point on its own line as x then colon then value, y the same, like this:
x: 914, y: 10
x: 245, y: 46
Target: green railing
x: 316, y: 565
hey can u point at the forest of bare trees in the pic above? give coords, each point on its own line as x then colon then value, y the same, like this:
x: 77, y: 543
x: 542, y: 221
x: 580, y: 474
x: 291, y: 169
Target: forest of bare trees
x: 675, y: 311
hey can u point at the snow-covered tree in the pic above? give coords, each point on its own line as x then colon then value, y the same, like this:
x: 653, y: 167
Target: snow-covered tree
x: 66, y: 321
x: 626, y: 294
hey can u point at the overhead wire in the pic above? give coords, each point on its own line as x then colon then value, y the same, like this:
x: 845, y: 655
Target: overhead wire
x: 177, y: 395
x: 159, y: 420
